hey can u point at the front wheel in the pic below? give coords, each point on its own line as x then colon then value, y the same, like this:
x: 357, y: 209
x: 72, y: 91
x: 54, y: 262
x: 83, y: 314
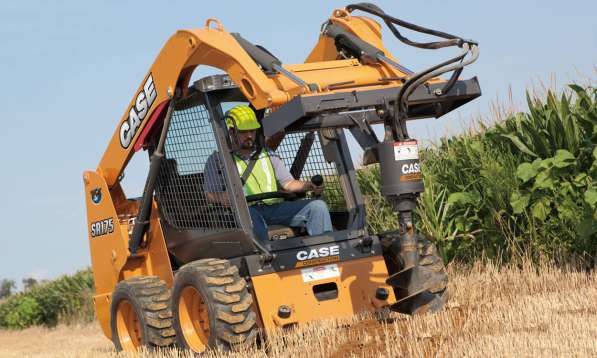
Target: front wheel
x: 212, y: 306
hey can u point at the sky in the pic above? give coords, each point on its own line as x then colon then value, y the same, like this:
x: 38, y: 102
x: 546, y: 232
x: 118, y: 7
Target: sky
x: 70, y: 68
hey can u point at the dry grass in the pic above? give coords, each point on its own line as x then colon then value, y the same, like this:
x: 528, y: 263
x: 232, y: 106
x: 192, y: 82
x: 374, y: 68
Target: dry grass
x: 498, y: 313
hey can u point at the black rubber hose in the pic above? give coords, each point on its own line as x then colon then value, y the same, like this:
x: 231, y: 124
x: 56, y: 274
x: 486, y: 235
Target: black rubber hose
x: 452, y: 40
x: 451, y: 81
x: 413, y: 79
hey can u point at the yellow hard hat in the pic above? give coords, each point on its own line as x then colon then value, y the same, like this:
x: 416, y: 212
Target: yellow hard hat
x: 242, y: 118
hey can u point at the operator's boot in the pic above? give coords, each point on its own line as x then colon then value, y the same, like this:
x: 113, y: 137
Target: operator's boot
x: 419, y: 287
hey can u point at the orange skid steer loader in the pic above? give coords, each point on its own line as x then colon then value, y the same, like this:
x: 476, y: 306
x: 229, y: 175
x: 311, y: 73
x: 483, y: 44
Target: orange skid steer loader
x: 173, y: 267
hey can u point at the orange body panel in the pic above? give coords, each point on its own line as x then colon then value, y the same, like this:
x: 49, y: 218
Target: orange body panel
x: 357, y: 282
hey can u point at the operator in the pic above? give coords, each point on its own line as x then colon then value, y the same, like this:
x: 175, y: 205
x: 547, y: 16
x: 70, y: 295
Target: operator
x: 267, y: 174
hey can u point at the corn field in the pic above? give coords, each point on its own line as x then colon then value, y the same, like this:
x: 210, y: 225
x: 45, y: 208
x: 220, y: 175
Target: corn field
x: 524, y: 188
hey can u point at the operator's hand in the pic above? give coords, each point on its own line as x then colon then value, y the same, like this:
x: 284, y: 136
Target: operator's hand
x: 317, y: 190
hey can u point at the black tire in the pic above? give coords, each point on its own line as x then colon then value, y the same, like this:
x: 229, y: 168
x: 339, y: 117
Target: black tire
x: 140, y: 314
x: 224, y: 295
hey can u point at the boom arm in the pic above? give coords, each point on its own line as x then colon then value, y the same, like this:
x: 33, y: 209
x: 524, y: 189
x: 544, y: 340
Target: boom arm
x: 187, y: 49
x: 322, y: 73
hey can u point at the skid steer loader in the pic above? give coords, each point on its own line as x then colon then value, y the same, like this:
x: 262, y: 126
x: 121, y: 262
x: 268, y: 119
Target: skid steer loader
x: 172, y: 267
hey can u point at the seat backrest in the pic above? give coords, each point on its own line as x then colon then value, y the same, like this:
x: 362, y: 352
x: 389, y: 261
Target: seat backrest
x: 183, y: 202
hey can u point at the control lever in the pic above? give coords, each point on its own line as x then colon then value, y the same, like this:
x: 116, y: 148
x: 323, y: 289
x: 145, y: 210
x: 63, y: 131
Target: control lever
x: 317, y: 180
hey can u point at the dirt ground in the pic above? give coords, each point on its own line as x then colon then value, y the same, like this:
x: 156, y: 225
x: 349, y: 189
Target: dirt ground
x: 513, y: 312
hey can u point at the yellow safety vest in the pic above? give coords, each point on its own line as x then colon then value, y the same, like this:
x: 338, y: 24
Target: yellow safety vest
x: 262, y: 179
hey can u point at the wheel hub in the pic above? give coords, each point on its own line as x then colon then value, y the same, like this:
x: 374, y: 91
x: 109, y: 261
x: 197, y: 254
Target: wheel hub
x: 194, y: 319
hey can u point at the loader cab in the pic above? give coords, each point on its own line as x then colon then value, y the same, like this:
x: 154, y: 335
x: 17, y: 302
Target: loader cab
x: 196, y: 228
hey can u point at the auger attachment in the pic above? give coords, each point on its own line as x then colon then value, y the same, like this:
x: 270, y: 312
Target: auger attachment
x: 419, y: 286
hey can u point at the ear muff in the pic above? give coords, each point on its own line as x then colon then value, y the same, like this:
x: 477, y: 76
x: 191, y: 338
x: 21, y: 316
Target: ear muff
x: 230, y: 122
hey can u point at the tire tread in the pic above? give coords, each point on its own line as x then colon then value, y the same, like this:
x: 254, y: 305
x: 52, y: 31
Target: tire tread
x: 152, y: 296
x: 234, y: 320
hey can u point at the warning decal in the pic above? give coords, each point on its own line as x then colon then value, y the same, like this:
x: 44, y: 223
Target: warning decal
x: 406, y: 150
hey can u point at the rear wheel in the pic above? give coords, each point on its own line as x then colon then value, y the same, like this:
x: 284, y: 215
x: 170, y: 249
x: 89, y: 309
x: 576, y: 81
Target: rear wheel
x: 140, y: 314
x: 212, y: 306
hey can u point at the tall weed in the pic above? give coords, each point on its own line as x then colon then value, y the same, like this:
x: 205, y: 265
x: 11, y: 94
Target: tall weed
x: 64, y: 299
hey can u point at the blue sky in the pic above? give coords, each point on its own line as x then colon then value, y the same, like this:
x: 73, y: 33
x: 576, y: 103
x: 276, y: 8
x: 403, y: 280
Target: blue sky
x: 69, y: 69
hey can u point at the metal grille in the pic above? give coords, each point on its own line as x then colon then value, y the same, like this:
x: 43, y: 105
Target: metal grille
x: 180, y: 191
x: 315, y: 163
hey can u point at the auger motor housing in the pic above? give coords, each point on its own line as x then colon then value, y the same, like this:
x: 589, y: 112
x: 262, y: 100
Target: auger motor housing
x: 400, y: 169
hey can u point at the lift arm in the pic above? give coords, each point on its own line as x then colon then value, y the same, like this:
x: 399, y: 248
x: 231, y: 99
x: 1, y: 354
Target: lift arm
x: 213, y: 46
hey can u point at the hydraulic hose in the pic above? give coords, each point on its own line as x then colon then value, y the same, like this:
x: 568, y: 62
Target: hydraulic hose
x: 363, y: 50
x: 451, y: 40
x: 455, y: 64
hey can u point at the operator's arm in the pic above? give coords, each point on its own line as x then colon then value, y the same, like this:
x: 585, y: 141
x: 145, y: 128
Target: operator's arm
x: 213, y: 182
x: 286, y: 180
x: 300, y: 186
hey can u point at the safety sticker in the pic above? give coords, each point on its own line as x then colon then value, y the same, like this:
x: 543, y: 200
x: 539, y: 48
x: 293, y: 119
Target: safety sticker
x: 406, y: 150
x: 320, y: 273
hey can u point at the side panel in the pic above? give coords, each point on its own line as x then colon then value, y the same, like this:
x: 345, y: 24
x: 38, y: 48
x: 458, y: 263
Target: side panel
x: 107, y: 243
x: 152, y: 258
x: 356, y: 280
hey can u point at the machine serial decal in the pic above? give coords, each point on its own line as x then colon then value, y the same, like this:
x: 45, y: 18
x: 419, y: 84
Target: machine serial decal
x: 102, y: 227
x: 319, y: 256
x: 138, y: 112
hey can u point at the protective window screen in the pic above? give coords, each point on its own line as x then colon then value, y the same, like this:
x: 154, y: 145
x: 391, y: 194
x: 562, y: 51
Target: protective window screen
x: 306, y: 148
x: 190, y: 152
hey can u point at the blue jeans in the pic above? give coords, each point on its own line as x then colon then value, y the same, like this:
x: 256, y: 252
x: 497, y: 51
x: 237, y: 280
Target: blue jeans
x: 310, y: 214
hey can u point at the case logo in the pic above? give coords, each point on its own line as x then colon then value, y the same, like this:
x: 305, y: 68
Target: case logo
x: 138, y: 112
x: 318, y: 256
x: 411, y: 168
